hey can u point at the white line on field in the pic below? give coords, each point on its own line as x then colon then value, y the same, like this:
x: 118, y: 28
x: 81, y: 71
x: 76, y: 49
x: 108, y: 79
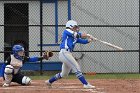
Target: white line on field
x: 60, y: 83
x: 43, y: 88
x: 55, y: 88
x: 66, y: 84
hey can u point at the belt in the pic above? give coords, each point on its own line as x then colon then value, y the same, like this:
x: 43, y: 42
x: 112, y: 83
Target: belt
x: 67, y: 50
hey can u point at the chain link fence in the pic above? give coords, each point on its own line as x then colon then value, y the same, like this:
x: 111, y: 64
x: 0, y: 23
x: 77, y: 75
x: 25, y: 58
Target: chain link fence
x: 39, y: 25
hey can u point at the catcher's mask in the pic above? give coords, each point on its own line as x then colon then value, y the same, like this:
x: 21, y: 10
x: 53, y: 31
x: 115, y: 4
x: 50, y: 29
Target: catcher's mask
x: 16, y: 49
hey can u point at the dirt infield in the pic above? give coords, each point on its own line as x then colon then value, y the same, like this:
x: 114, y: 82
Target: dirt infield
x: 74, y: 86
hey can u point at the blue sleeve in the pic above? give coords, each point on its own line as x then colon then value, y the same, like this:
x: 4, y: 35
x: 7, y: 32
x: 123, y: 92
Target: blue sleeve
x: 68, y: 33
x: 34, y: 59
x: 80, y: 34
x: 72, y: 34
x: 82, y: 41
x: 2, y: 70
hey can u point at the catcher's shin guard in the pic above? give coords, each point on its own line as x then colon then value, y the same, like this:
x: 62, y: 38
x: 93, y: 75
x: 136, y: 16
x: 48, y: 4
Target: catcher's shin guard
x: 8, y: 74
x: 26, y: 80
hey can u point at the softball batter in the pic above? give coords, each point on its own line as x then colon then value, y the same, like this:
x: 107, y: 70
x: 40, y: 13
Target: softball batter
x: 70, y: 37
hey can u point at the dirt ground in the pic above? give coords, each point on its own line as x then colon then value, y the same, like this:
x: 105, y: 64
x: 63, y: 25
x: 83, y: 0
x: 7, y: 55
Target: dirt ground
x: 74, y: 86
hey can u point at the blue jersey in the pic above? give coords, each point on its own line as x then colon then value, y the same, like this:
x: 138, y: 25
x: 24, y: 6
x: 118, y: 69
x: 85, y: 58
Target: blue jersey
x: 70, y: 38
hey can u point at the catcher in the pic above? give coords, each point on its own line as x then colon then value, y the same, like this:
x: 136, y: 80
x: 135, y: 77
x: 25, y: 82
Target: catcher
x: 10, y: 70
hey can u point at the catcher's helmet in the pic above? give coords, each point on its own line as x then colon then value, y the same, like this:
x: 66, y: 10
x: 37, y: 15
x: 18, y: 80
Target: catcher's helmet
x: 17, y: 48
x: 71, y: 24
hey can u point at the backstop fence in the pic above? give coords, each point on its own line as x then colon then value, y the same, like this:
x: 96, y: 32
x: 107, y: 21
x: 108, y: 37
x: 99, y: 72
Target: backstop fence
x: 38, y: 25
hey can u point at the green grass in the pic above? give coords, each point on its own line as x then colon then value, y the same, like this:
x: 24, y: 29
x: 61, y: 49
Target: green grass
x: 115, y: 76
x: 97, y: 76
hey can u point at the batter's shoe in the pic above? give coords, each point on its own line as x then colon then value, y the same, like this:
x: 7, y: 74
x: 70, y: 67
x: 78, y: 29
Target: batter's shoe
x: 48, y: 84
x: 88, y: 86
x: 6, y: 85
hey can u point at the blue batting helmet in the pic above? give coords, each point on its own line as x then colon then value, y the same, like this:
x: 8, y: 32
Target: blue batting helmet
x: 17, y: 48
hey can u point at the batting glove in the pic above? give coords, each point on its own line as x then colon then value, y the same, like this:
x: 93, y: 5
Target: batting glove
x: 91, y: 37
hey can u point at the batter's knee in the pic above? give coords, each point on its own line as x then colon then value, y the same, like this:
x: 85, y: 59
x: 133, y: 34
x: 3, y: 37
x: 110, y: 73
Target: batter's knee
x: 64, y: 74
x: 26, y: 80
x: 9, y: 69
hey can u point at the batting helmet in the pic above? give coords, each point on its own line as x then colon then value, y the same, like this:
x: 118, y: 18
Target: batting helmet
x: 71, y: 24
x: 17, y: 48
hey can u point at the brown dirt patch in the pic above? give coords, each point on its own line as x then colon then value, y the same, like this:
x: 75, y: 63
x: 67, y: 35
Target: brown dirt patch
x: 74, y: 86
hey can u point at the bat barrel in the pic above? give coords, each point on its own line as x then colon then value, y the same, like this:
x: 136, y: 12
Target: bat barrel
x: 111, y: 45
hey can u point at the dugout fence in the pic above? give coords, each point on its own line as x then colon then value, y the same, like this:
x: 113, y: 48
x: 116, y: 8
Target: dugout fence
x: 39, y: 25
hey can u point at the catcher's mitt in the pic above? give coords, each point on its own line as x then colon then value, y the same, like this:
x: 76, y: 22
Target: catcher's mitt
x: 47, y: 54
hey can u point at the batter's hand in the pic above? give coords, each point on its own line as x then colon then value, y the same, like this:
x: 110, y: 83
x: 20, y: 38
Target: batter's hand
x: 47, y: 54
x: 90, y: 40
x: 93, y: 38
x: 84, y: 36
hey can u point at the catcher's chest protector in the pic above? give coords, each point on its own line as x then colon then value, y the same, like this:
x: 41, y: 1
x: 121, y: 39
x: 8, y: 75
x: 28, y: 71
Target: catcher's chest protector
x: 15, y: 62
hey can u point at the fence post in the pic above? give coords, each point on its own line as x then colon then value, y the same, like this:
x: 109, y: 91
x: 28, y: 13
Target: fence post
x: 139, y: 36
x: 41, y: 35
x: 56, y: 21
x: 69, y: 9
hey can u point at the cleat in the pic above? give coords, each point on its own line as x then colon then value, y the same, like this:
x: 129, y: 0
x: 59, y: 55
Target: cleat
x: 6, y: 85
x: 48, y: 84
x: 88, y: 86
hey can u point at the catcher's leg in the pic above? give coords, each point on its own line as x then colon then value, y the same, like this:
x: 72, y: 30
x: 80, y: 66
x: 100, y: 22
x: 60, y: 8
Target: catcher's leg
x: 21, y: 79
x: 8, y: 75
